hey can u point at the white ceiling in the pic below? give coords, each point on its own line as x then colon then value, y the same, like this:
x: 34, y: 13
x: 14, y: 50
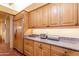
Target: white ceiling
x: 19, y: 5
x: 16, y: 6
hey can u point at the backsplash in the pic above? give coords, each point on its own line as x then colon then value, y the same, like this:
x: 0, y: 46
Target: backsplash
x: 74, y: 32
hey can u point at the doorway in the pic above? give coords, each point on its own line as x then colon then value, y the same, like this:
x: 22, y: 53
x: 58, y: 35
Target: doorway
x: 4, y: 34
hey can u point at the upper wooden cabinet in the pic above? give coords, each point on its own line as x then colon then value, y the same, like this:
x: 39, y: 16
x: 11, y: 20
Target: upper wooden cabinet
x: 32, y: 19
x: 54, y: 16
x: 39, y: 17
x: 61, y: 14
x: 68, y: 13
x: 45, y: 15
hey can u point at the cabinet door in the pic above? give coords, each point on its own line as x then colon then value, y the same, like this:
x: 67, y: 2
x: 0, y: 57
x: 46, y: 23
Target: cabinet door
x: 15, y: 41
x: 19, y: 36
x: 37, y: 49
x: 72, y: 53
x: 45, y: 15
x: 45, y: 49
x: 54, y: 16
x: 68, y: 14
x: 31, y: 19
x: 57, y: 51
x: 28, y: 47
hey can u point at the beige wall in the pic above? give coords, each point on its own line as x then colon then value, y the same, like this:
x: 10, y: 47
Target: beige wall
x: 74, y: 32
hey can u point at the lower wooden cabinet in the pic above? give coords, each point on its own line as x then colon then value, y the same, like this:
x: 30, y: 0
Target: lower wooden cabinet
x: 45, y: 49
x: 72, y: 53
x: 34, y: 48
x: 28, y: 47
x: 57, y: 51
x: 41, y: 49
x: 37, y: 49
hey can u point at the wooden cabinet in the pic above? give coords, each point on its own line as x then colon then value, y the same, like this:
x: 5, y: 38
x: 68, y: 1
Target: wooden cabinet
x: 35, y: 18
x: 41, y: 49
x: 28, y: 47
x: 61, y: 14
x: 45, y: 49
x: 68, y: 13
x: 37, y: 49
x: 57, y: 51
x: 45, y: 15
x: 25, y: 21
x: 54, y: 17
x: 39, y: 17
x: 18, y: 31
x: 34, y: 48
x: 18, y: 35
x: 31, y: 19
x: 72, y: 53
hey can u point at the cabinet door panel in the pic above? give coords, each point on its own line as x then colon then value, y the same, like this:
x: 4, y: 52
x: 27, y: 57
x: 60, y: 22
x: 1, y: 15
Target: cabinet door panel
x: 45, y: 49
x: 72, y: 53
x: 37, y: 49
x: 19, y: 35
x: 68, y: 14
x: 45, y: 15
x: 32, y: 19
x: 28, y: 47
x: 54, y: 16
x: 39, y: 17
x: 57, y: 51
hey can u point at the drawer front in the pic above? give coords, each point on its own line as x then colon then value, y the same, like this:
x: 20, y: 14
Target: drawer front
x: 28, y: 42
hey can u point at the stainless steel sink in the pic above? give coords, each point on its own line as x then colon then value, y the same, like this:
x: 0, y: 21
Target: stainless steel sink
x: 33, y: 35
x: 53, y: 38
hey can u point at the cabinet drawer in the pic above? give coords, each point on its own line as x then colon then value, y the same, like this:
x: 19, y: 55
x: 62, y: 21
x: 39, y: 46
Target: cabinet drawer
x: 28, y: 42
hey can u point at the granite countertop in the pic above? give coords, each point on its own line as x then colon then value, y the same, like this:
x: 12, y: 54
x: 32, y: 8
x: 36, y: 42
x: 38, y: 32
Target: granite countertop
x: 71, y: 45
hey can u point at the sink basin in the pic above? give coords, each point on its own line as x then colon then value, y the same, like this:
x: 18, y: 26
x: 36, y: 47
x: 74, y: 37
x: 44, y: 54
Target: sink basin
x: 33, y: 35
x: 53, y: 39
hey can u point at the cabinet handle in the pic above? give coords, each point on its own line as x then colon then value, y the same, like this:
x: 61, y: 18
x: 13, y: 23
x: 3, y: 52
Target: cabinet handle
x: 40, y: 46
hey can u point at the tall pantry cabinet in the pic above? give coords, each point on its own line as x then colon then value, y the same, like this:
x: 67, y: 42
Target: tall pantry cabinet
x: 20, y: 26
